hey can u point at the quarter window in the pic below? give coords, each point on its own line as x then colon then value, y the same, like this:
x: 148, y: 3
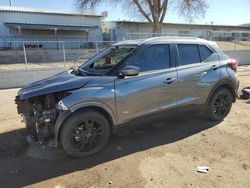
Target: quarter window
x: 188, y: 54
x: 152, y: 58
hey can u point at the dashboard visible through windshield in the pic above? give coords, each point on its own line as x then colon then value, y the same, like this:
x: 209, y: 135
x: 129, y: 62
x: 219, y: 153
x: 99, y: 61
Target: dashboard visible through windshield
x: 102, y: 62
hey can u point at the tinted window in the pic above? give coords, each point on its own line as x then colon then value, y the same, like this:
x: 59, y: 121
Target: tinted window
x: 204, y: 52
x: 188, y: 54
x: 152, y: 58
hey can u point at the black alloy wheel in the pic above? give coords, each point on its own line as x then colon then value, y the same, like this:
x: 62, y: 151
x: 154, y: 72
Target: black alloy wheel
x: 220, y: 104
x: 87, y: 136
x: 85, y: 133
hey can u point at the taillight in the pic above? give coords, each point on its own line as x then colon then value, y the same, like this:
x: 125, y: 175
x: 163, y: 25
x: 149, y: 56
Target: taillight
x: 233, y: 64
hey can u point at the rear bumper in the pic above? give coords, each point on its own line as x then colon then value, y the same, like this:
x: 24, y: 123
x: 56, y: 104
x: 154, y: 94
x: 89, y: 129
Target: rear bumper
x: 237, y: 85
x: 236, y: 89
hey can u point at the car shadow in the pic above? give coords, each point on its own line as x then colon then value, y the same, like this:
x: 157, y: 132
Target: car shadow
x: 18, y: 168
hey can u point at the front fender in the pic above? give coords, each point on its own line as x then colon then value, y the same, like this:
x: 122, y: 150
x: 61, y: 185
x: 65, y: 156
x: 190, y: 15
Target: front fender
x: 101, y: 97
x: 63, y: 115
x: 87, y: 98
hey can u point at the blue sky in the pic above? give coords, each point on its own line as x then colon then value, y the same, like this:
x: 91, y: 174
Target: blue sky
x: 223, y: 12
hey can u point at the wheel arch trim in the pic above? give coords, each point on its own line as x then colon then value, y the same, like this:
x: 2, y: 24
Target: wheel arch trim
x: 227, y: 83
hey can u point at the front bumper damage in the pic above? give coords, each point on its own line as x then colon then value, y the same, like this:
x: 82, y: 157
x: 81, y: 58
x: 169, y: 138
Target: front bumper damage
x: 38, y: 119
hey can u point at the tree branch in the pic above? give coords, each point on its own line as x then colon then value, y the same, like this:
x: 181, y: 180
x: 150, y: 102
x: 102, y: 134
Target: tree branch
x: 151, y: 9
x: 192, y: 9
x: 159, y: 6
x: 88, y: 4
x: 156, y: 13
x: 142, y: 11
x: 164, y: 10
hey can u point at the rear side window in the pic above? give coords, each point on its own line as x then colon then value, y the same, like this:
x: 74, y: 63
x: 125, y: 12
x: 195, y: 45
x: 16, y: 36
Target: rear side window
x: 152, y: 58
x: 204, y: 52
x: 188, y: 54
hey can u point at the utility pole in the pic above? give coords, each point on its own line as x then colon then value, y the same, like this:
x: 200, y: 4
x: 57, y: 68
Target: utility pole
x: 10, y: 2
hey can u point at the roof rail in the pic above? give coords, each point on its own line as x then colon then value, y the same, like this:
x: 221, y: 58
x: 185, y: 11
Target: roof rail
x: 173, y: 37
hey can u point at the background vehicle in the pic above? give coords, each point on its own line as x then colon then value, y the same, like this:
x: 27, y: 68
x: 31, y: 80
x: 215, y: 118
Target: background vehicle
x: 129, y: 82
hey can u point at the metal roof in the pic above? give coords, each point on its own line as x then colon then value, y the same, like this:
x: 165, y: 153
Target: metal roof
x: 50, y: 26
x: 43, y: 11
x: 244, y: 27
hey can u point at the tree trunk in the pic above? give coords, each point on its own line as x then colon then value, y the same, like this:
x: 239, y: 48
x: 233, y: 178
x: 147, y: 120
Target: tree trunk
x: 156, y: 29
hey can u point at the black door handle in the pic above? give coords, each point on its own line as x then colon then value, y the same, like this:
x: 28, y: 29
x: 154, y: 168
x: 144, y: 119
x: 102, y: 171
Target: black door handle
x: 169, y: 80
x: 214, y: 67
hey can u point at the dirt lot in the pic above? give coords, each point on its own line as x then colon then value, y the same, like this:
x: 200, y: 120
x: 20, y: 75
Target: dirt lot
x: 164, y: 154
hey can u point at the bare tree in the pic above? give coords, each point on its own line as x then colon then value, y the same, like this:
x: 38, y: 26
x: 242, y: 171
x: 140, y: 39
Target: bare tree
x: 154, y: 11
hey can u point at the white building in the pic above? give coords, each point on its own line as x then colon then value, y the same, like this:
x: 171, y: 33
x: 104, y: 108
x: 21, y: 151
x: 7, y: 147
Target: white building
x: 31, y: 24
x: 122, y: 30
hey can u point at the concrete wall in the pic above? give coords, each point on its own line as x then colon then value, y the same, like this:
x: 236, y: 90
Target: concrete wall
x: 21, y: 77
x: 242, y: 56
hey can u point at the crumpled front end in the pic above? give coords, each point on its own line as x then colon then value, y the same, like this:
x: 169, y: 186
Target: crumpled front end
x: 38, y: 102
x: 39, y: 114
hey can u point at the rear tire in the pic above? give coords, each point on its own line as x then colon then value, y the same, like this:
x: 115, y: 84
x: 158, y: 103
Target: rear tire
x: 85, y: 133
x: 219, y: 105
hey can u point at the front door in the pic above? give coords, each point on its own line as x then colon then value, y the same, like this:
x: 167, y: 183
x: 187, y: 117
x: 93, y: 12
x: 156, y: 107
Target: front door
x: 153, y: 91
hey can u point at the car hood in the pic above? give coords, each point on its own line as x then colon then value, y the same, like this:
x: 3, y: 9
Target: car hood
x: 59, y: 82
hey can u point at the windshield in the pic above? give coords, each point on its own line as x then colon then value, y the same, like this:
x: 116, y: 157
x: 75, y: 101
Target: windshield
x: 102, y: 62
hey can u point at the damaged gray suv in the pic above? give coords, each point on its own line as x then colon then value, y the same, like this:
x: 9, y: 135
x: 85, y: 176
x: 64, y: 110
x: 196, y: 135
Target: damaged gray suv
x: 131, y: 81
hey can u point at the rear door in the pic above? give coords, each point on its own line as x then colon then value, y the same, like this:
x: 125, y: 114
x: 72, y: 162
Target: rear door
x: 198, y: 70
x: 153, y: 91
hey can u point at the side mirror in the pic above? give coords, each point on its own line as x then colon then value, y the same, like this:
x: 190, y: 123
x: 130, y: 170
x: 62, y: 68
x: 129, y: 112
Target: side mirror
x: 130, y: 71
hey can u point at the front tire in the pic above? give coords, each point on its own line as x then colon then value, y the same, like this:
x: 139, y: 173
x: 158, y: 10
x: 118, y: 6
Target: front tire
x: 219, y: 105
x: 85, y: 133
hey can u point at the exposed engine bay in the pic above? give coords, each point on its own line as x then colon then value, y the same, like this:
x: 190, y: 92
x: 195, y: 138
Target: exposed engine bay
x: 39, y: 114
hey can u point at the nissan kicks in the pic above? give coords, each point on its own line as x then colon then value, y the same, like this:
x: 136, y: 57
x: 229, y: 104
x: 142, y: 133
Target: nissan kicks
x: 131, y: 81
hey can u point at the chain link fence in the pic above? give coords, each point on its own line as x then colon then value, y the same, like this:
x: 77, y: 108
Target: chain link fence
x: 235, y: 44
x: 50, y: 54
x: 41, y: 54
x: 23, y: 62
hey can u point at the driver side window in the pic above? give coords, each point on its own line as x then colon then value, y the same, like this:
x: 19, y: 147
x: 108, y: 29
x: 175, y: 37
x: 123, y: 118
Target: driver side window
x: 154, y: 57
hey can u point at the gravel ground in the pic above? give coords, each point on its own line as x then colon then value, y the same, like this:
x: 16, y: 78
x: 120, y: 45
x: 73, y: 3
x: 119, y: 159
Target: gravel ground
x: 163, y: 154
